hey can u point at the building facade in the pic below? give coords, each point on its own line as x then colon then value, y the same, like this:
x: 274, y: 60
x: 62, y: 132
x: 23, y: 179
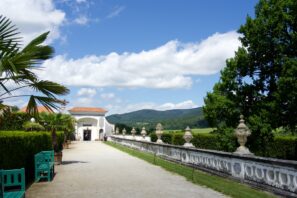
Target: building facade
x: 91, y: 123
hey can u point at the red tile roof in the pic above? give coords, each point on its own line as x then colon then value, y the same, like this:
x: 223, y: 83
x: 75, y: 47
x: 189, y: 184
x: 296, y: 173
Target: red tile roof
x: 88, y: 109
x: 40, y: 109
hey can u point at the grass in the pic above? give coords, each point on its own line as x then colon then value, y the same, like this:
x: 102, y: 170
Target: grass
x: 200, y: 130
x: 223, y: 185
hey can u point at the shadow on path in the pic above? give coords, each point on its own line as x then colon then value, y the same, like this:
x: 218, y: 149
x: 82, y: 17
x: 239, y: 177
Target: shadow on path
x: 73, y: 162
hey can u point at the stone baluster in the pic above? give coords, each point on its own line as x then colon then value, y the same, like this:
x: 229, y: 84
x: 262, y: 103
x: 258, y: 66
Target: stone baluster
x: 143, y: 133
x: 133, y: 132
x: 188, y: 137
x: 242, y: 132
x: 159, y: 132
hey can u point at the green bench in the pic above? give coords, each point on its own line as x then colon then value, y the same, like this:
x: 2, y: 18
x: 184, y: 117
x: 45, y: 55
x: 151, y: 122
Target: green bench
x: 44, y: 165
x: 12, y: 183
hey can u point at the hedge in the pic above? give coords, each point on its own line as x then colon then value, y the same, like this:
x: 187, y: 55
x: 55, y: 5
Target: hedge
x: 280, y: 147
x: 17, y: 149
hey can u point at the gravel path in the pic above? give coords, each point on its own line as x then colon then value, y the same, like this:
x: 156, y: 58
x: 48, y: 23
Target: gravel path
x: 93, y: 169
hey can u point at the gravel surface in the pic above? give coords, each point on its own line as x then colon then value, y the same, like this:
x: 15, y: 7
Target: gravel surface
x: 93, y: 169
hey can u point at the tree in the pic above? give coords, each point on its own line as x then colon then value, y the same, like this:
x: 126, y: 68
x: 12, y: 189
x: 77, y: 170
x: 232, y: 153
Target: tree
x: 17, y: 66
x: 260, y: 81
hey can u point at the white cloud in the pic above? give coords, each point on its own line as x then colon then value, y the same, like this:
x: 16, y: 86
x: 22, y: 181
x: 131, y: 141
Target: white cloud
x: 33, y: 17
x: 107, y: 96
x: 81, y: 1
x: 116, y: 11
x: 83, y: 102
x: 168, y: 66
x: 188, y: 104
x: 87, y: 92
x: 81, y: 20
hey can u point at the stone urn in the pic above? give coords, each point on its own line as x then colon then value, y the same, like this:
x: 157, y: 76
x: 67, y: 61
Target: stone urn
x: 133, y: 132
x: 143, y: 133
x: 188, y: 137
x: 159, y: 132
x: 124, y: 132
x: 242, y: 132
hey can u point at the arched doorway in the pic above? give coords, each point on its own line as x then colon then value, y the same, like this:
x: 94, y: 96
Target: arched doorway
x: 87, y: 135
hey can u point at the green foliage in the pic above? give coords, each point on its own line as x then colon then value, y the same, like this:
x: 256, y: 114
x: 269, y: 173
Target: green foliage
x: 260, y: 81
x: 13, y: 120
x: 171, y: 119
x: 153, y: 137
x: 33, y: 126
x: 166, y: 137
x: 17, y: 149
x: 178, y: 139
x: 58, y: 121
x: 228, y: 187
x: 282, y: 147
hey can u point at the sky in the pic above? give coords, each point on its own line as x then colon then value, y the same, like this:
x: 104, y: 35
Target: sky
x: 132, y: 54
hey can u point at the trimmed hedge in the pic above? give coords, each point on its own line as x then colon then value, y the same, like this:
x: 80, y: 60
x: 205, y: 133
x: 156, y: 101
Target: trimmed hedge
x: 280, y: 147
x: 17, y: 149
x: 166, y: 137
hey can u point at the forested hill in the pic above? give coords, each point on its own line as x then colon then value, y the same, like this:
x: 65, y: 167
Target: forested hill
x: 170, y: 119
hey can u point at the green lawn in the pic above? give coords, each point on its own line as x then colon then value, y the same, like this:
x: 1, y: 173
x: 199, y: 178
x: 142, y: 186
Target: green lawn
x: 201, y: 130
x: 223, y: 185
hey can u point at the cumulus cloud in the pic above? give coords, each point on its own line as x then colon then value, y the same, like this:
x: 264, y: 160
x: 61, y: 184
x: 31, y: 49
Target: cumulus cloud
x: 188, y: 104
x: 87, y: 92
x: 168, y: 66
x: 33, y: 17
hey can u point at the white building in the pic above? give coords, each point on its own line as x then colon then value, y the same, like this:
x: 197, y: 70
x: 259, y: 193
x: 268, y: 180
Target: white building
x: 91, y: 123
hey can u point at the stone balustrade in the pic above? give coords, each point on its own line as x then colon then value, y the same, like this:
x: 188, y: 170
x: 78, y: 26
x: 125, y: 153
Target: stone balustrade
x: 278, y: 176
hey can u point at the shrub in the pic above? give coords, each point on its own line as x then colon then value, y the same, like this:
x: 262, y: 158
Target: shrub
x: 33, y: 126
x: 206, y: 141
x: 166, y: 137
x: 153, y: 137
x: 178, y: 139
x: 17, y: 149
x: 13, y: 120
x: 281, y: 147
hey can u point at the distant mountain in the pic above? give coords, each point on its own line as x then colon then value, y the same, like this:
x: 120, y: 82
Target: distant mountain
x: 170, y: 119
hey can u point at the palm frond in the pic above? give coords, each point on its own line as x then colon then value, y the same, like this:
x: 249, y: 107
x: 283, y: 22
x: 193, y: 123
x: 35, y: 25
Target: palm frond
x: 49, y: 88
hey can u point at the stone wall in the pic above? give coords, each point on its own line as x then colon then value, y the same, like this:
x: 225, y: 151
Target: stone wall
x: 277, y: 176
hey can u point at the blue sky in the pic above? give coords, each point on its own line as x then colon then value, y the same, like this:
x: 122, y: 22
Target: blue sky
x: 130, y: 55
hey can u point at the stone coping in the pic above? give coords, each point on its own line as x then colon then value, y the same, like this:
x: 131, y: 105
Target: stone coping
x: 275, y: 161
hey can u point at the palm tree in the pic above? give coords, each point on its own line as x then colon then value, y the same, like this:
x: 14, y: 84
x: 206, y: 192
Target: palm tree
x: 16, y: 70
